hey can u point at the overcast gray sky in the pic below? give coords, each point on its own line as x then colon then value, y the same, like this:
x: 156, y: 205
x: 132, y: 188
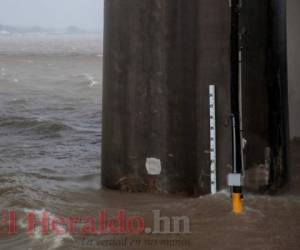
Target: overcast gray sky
x: 86, y: 14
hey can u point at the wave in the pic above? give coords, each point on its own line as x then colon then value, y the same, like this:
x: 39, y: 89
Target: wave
x: 37, y: 125
x: 16, y: 101
x: 91, y: 80
x: 50, y: 241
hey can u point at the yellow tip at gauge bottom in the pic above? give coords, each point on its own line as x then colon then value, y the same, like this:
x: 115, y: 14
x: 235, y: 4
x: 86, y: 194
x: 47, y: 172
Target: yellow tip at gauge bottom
x: 237, y: 204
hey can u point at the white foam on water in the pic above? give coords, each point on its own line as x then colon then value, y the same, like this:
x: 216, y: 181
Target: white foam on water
x: 93, y: 83
x: 224, y: 192
x: 91, y: 80
x: 51, y: 240
x: 16, y: 80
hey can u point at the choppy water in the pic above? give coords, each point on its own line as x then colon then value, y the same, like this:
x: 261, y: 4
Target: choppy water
x: 50, y: 123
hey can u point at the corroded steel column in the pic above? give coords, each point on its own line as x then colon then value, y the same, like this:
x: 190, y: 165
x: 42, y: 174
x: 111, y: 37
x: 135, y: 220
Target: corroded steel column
x: 160, y: 56
x: 293, y: 41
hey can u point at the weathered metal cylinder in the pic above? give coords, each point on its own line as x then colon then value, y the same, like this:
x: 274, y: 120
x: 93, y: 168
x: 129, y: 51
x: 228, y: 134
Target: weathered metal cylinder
x: 160, y: 56
x: 293, y: 76
x: 159, y: 59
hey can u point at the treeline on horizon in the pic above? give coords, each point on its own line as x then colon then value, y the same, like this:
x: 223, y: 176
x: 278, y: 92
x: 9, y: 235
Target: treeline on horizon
x: 9, y: 29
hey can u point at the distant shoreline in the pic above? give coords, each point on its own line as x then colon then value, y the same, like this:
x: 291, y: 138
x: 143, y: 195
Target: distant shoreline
x: 70, y: 30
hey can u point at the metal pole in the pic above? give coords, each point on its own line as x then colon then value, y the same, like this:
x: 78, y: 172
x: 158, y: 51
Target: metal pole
x: 235, y: 179
x: 243, y: 141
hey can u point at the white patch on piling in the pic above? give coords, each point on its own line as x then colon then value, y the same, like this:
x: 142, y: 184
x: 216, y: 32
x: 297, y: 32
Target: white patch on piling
x: 153, y: 166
